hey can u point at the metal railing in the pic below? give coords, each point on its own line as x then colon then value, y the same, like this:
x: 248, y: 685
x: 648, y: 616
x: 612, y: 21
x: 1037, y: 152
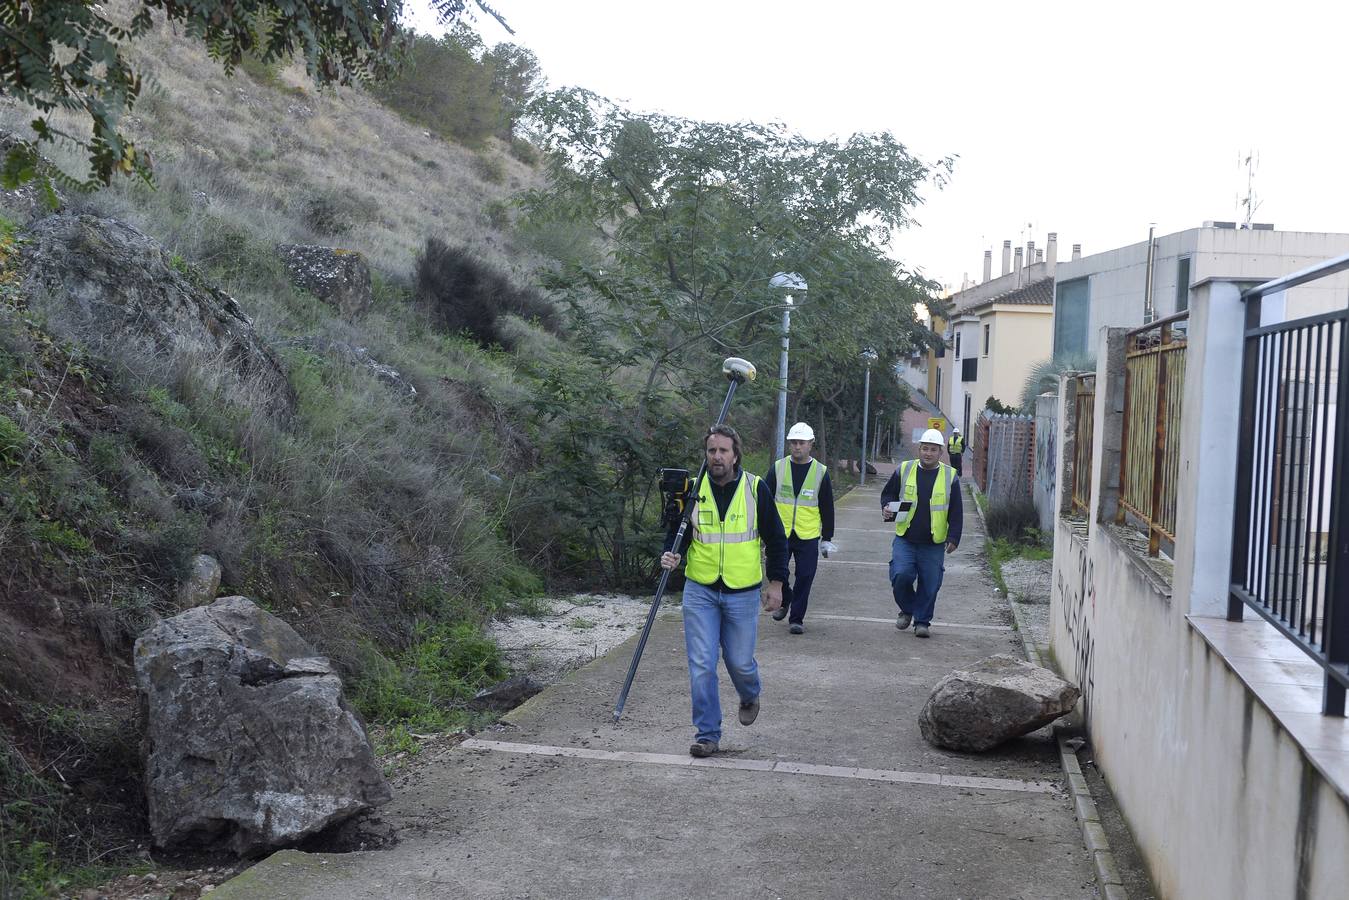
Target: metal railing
x: 1290, y: 535
x: 1149, y: 465
x: 1084, y: 420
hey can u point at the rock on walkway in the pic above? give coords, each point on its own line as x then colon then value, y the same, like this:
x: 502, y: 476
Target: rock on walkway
x: 832, y: 793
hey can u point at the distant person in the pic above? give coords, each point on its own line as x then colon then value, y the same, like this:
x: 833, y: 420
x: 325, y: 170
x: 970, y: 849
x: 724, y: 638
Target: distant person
x: 955, y: 448
x: 805, y: 499
x: 922, y: 498
x: 734, y: 521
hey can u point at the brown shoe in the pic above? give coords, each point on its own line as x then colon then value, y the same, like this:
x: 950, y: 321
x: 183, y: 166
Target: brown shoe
x: 703, y: 749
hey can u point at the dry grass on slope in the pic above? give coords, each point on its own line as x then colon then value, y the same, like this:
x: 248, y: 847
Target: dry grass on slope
x: 292, y: 164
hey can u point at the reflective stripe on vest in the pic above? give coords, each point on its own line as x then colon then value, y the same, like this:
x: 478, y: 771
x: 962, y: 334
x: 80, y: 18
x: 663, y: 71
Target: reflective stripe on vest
x: 957, y: 445
x: 799, y: 512
x: 727, y: 549
x: 939, y: 505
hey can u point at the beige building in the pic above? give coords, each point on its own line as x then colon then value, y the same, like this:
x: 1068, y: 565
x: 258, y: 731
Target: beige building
x: 999, y: 330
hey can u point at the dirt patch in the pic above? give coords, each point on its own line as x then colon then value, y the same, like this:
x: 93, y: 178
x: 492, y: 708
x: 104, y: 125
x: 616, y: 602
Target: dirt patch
x: 568, y: 633
x: 1028, y: 586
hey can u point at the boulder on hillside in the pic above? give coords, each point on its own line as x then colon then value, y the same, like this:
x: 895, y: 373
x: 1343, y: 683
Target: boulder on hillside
x: 249, y: 742
x: 340, y: 278
x: 102, y: 284
x: 994, y: 700
x: 201, y: 583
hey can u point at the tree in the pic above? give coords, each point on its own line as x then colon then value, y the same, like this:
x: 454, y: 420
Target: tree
x: 694, y: 218
x: 65, y: 54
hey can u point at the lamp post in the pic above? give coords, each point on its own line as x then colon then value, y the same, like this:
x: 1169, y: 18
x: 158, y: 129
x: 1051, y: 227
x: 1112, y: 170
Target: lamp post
x: 790, y: 282
x: 869, y: 356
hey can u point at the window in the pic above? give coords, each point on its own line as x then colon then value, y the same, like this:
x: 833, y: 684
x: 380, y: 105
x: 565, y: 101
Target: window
x: 969, y: 368
x: 1182, y: 284
x: 957, y: 345
x: 988, y: 334
x: 1072, y: 314
x: 967, y: 411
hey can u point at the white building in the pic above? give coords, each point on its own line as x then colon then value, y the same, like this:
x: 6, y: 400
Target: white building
x: 1111, y: 289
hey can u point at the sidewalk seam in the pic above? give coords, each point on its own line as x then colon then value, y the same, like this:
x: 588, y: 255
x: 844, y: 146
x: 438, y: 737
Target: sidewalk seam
x: 1084, y: 807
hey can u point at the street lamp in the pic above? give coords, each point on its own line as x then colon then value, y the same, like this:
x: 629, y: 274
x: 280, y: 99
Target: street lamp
x: 788, y: 281
x: 869, y: 356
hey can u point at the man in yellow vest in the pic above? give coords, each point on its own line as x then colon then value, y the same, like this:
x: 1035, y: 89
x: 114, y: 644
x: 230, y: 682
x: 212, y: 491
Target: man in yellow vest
x: 955, y: 447
x: 805, y: 500
x: 922, y: 498
x: 735, y: 522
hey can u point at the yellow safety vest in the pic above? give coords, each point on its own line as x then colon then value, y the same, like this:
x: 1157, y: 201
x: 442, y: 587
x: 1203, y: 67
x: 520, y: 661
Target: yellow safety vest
x: 939, y: 505
x: 728, y: 549
x: 799, y: 512
x: 957, y: 444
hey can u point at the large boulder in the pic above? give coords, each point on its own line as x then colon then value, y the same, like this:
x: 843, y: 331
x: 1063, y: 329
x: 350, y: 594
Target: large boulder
x: 103, y: 284
x: 340, y: 278
x: 249, y: 741
x: 994, y: 700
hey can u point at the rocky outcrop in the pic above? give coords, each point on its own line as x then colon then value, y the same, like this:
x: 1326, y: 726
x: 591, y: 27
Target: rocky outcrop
x: 249, y: 742
x: 340, y: 278
x: 103, y: 284
x: 991, y: 701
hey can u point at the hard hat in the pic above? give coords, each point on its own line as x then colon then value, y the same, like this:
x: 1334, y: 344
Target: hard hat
x: 801, y: 432
x: 931, y: 436
x: 955, y: 431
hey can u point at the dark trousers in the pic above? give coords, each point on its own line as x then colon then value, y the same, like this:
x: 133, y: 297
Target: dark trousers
x: 796, y: 596
x: 955, y: 463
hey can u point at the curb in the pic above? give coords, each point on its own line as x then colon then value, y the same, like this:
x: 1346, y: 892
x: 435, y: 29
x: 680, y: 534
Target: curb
x: 1093, y: 834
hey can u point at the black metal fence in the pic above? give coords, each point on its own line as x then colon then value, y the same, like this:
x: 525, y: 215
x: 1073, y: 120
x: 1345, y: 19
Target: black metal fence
x: 1290, y: 537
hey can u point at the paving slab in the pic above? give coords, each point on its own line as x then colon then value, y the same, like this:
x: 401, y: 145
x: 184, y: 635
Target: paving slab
x: 832, y: 793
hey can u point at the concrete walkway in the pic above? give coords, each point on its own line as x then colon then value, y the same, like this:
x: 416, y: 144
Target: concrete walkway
x: 832, y: 793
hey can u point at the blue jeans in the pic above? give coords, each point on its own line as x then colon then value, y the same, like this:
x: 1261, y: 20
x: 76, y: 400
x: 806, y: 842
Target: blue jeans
x: 924, y: 562
x: 726, y: 623
x: 796, y: 596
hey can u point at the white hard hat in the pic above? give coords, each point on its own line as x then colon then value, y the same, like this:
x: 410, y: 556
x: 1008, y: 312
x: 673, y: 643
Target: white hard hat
x: 932, y: 436
x: 955, y: 430
x: 801, y: 432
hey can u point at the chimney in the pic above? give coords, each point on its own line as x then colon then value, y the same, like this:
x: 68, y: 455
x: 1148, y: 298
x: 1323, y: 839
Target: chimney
x: 1039, y: 256
x: 1018, y: 267
x: 1051, y: 252
x: 1007, y: 257
x: 1077, y: 251
x: 988, y: 265
x: 1030, y: 253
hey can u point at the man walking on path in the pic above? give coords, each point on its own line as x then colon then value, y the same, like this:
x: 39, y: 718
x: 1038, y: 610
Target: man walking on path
x: 734, y: 521
x: 805, y: 499
x: 922, y: 497
x: 955, y: 448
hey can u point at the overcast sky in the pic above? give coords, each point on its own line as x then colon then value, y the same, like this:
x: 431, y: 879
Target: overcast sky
x: 1070, y: 117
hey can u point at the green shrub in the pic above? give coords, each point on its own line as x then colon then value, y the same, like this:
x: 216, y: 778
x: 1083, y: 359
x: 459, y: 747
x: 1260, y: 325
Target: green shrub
x: 1013, y: 522
x: 489, y: 168
x: 13, y: 441
x: 427, y: 684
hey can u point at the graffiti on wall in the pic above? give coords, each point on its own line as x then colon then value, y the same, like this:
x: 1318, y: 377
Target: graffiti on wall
x: 1077, y: 600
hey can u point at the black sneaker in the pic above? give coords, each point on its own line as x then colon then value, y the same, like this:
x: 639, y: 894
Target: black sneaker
x: 797, y: 628
x: 780, y: 613
x: 704, y: 749
x: 749, y: 712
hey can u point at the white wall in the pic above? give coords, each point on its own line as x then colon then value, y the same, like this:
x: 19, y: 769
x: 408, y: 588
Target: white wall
x: 1221, y: 799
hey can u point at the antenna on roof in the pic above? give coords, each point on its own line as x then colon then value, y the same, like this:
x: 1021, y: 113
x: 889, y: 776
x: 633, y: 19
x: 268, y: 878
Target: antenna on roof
x: 1247, y: 205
